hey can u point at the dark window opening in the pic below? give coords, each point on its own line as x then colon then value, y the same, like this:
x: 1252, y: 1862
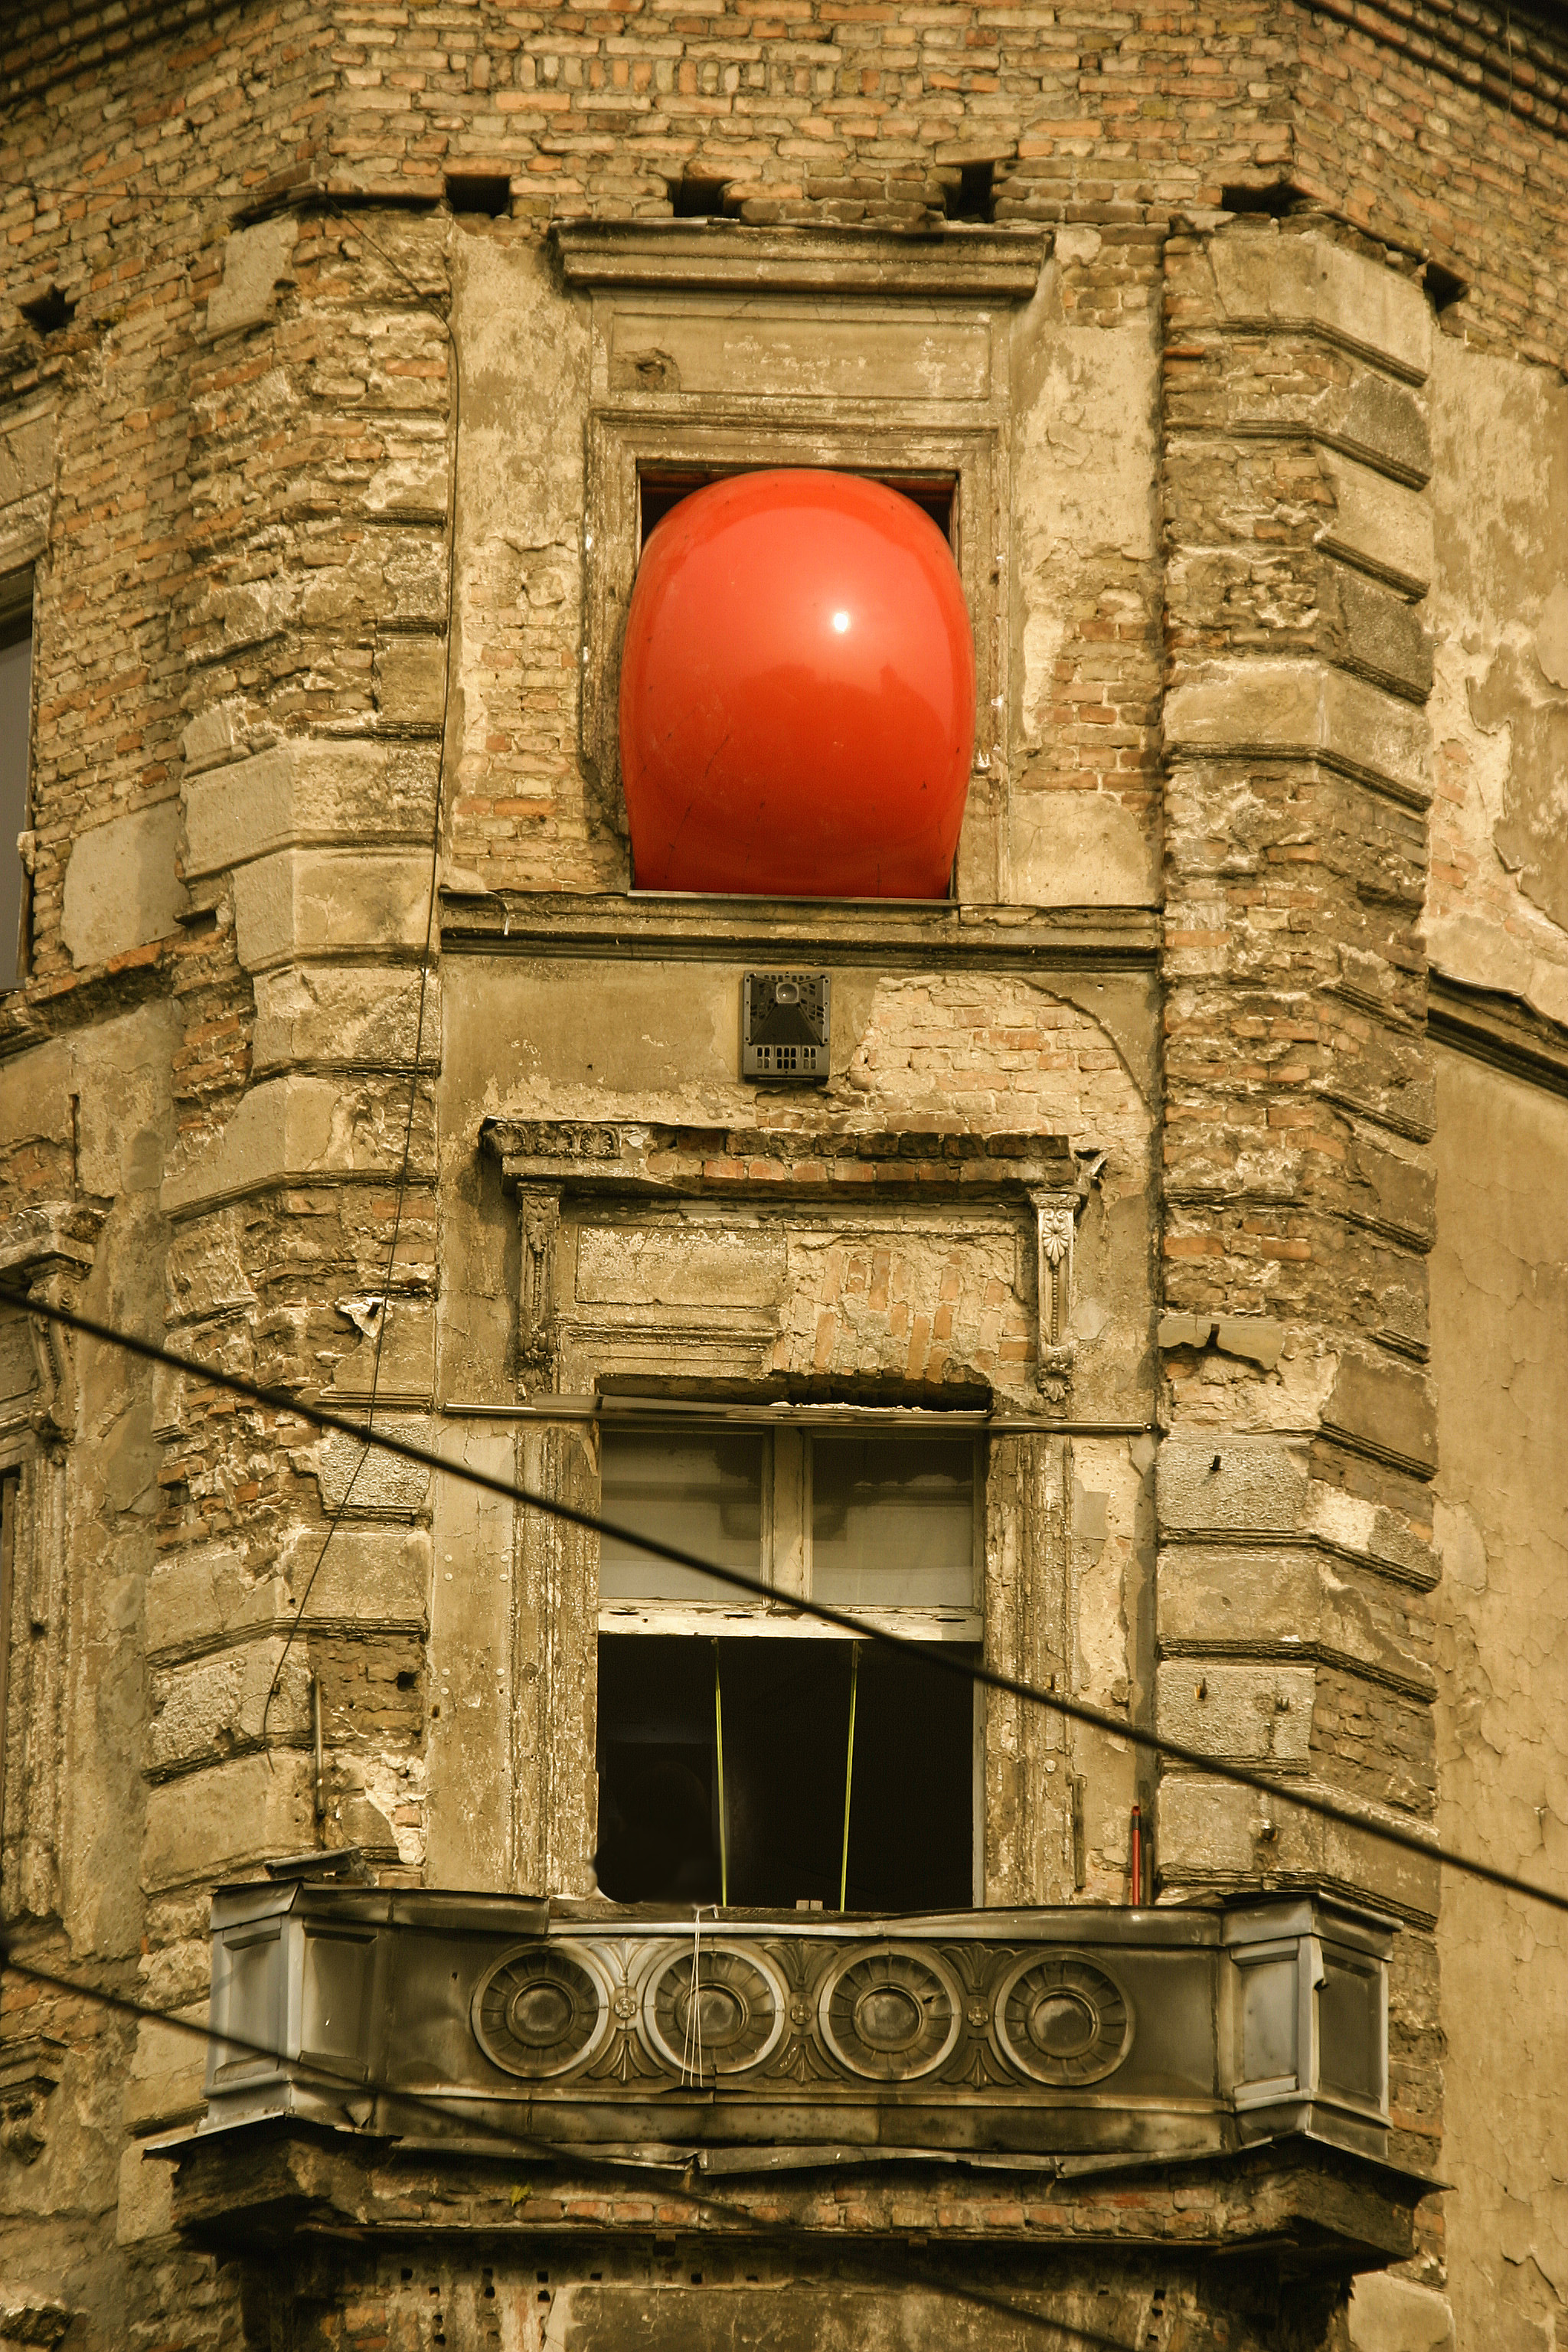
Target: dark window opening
x: 1278, y: 198
x: 48, y: 313
x: 479, y: 192
x: 695, y: 197
x: 1443, y: 289
x: 16, y: 749
x: 974, y: 197
x: 785, y: 1728
x: 662, y: 489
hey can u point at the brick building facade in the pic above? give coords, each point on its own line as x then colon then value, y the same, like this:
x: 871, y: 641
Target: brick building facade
x: 1185, y: 1192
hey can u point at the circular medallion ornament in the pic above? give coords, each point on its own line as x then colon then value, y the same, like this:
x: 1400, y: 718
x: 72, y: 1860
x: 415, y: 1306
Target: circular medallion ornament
x: 1063, y: 2021
x: 890, y: 2015
x: 541, y: 2011
x: 737, y: 2018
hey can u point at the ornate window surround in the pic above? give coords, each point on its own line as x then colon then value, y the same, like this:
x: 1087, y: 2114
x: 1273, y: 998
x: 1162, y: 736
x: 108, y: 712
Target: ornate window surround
x: 869, y: 352
x: 48, y: 1252
x: 578, y: 1176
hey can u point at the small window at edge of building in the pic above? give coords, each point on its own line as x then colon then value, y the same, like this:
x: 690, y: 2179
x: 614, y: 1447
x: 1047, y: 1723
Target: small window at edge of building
x: 16, y: 759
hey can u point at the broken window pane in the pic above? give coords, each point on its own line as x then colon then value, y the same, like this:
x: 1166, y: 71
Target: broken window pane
x: 701, y: 1493
x: 892, y: 1522
x: 16, y: 731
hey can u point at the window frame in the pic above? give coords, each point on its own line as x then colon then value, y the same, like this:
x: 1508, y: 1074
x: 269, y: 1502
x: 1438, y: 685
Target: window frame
x: 772, y: 1621
x: 786, y: 1473
x: 623, y: 447
x: 18, y: 624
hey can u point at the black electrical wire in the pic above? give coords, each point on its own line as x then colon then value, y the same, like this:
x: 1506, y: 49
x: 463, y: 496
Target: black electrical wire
x: 570, y: 2153
x: 425, y: 302
x: 932, y: 1654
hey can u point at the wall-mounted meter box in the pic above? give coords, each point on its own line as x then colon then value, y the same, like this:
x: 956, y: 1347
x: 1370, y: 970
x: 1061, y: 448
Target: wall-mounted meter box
x: 785, y: 1026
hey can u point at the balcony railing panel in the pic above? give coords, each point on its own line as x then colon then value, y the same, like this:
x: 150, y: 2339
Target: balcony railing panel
x: 1034, y: 2033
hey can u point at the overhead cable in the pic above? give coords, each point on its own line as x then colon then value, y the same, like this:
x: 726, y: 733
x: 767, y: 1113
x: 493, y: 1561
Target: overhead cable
x: 934, y: 1654
x: 894, y: 2265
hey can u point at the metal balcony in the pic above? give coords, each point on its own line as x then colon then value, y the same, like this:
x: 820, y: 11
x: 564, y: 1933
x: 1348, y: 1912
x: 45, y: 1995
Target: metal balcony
x: 1082, y: 2033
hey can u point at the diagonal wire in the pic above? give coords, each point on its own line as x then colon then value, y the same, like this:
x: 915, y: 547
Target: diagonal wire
x: 705, y: 2208
x: 933, y: 1654
x: 427, y: 303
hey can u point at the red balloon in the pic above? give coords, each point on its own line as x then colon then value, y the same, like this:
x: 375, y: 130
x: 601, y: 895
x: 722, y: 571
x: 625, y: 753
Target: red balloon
x: 797, y: 693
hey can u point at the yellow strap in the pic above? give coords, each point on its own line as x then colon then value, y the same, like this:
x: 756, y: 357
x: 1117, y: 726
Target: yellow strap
x: 849, y: 1770
x: 719, y: 1740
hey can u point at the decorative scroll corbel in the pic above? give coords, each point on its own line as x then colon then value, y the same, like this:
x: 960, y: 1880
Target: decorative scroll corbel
x: 30, y: 2068
x: 54, y: 1407
x: 539, y: 1225
x: 1056, y: 1227
x: 46, y: 1253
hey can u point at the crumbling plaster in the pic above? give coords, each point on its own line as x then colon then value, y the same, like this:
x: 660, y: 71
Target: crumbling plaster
x: 1085, y: 401
x: 1498, y: 898
x: 1500, y: 1343
x: 520, y: 529
x: 659, y: 1042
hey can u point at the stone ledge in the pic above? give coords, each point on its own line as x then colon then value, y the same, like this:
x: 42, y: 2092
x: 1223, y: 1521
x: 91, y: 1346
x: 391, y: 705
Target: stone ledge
x: 304, y: 902
x: 209, y: 1823
x: 308, y: 791
x: 1268, y: 276
x: 288, y: 1129
x: 1383, y: 527
x: 942, y: 934
x: 1385, y: 1410
x: 1256, y: 1713
x: 976, y: 265
x: 1210, y: 1834
x: 1502, y: 1030
x: 1303, y: 710
x: 122, y: 889
x: 290, y: 2185
x: 1232, y: 1601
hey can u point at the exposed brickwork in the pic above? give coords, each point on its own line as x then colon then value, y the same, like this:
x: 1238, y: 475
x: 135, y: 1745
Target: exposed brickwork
x: 244, y: 552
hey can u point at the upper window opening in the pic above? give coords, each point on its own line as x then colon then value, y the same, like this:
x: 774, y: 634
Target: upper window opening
x: 798, y: 692
x: 698, y: 197
x: 479, y: 192
x: 16, y: 751
x: 974, y: 198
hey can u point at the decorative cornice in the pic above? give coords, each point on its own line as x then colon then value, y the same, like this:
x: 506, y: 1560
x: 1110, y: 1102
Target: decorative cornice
x: 940, y: 934
x: 682, y: 1163
x: 954, y: 262
x: 1503, y: 1030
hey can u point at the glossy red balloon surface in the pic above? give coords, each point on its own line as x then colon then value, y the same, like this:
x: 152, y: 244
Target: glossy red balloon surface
x: 797, y: 693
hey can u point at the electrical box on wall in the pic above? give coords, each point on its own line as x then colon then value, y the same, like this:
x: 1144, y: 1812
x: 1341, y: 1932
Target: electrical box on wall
x: 785, y: 1026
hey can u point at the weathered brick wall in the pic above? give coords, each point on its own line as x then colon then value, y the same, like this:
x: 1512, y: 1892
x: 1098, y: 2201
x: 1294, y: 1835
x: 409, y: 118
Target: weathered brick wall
x: 1298, y: 1091
x: 241, y: 616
